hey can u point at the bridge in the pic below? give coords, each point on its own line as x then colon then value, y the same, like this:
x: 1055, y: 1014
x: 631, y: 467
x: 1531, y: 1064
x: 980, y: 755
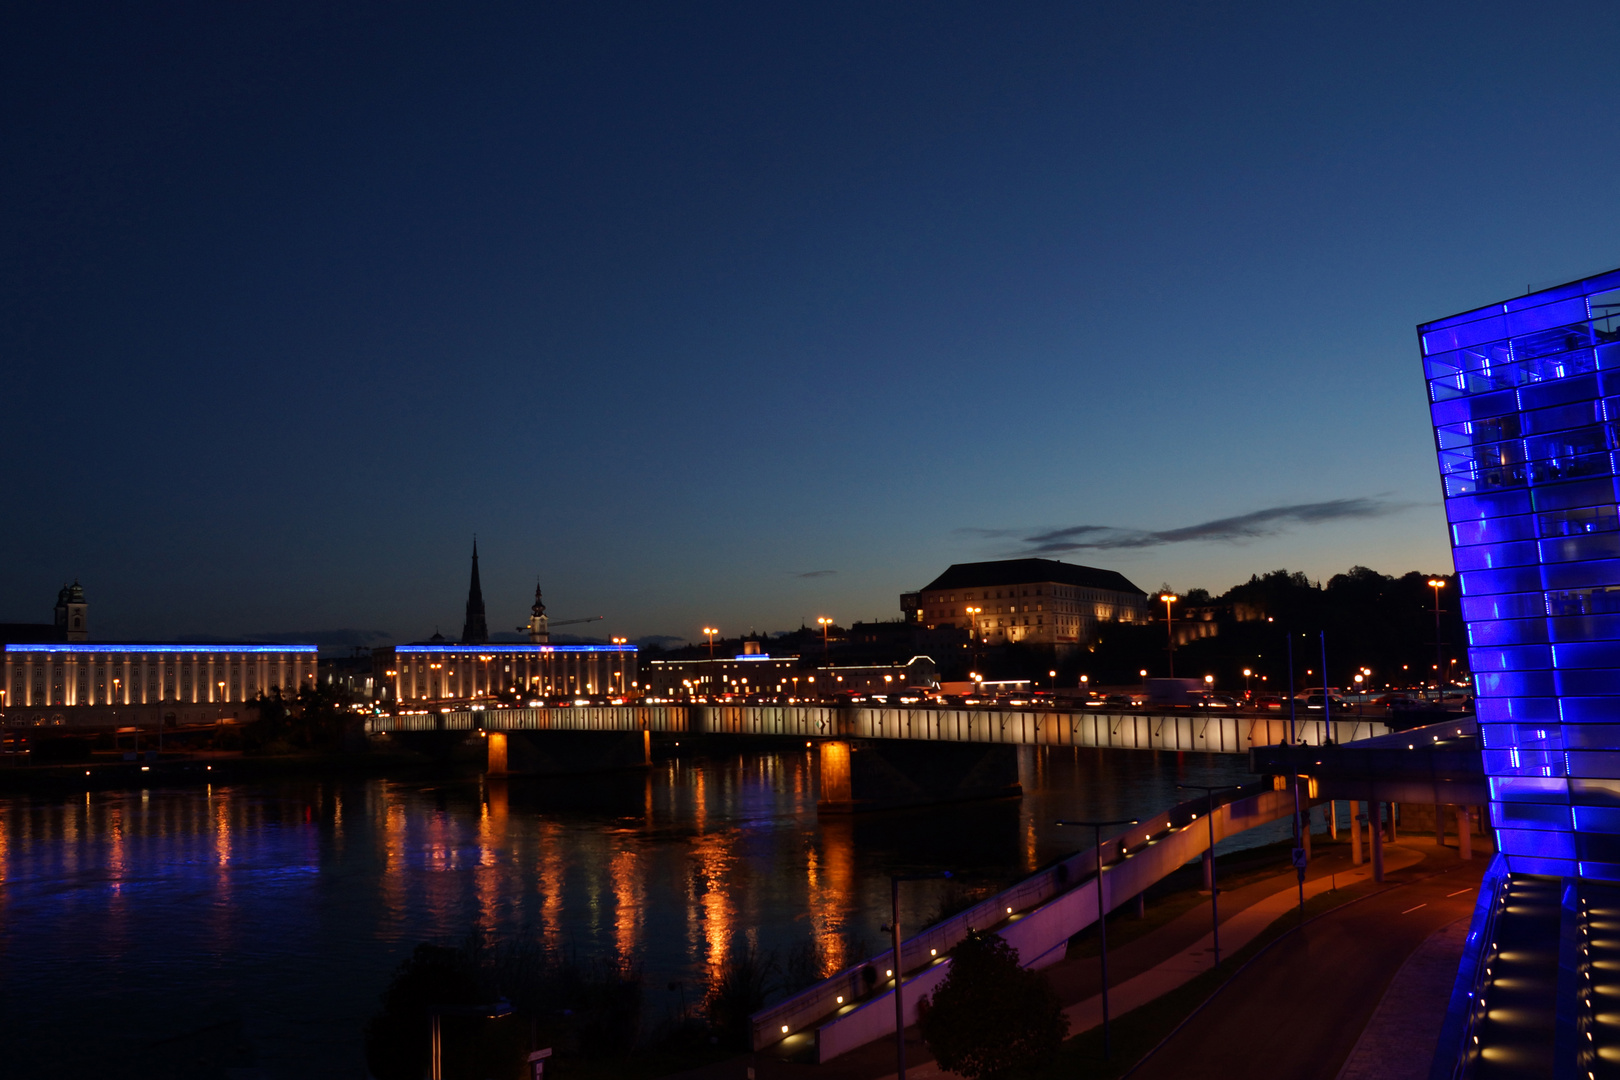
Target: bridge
x: 870, y: 757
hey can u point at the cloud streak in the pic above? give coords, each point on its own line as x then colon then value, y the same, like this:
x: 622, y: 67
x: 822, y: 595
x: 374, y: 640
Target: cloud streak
x: 1231, y: 530
x: 816, y: 573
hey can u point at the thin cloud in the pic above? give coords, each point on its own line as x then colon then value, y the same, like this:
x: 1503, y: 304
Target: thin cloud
x: 1231, y: 530
x: 816, y: 573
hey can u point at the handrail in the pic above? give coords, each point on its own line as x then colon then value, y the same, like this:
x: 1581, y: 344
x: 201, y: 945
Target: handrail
x: 1455, y: 1054
x: 848, y: 988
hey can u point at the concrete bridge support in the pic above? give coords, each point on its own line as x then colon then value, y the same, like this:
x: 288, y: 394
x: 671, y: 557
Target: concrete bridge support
x: 870, y: 774
x: 1355, y: 832
x: 555, y: 753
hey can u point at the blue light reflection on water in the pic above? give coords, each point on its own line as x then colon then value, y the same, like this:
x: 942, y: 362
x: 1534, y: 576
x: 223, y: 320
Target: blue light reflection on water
x: 287, y: 905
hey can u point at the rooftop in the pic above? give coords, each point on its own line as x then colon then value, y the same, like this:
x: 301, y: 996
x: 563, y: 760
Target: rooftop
x: 976, y: 575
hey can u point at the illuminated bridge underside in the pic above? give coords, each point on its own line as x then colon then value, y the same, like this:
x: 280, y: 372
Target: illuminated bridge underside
x: 1525, y: 399
x: 1129, y: 731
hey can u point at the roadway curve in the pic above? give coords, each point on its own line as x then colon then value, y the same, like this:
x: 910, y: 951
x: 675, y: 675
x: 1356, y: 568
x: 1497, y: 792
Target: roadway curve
x: 1297, y: 1010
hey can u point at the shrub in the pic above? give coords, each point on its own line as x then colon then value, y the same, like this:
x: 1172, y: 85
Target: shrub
x: 991, y: 1019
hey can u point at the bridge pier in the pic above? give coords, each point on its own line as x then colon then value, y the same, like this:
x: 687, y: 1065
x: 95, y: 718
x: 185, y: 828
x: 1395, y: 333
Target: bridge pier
x: 872, y: 774
x: 1465, y: 837
x: 1355, y: 832
x: 556, y: 753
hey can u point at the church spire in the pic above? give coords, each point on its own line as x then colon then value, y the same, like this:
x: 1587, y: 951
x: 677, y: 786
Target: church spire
x: 539, y: 627
x: 476, y: 629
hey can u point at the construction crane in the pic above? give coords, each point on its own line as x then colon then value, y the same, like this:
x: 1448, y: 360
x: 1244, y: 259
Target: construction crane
x: 563, y: 622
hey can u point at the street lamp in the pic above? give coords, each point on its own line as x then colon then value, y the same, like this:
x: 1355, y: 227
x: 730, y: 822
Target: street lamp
x: 899, y: 975
x: 1439, y: 660
x: 1214, y: 908
x: 710, y: 632
x: 1169, y: 638
x: 826, y: 646
x: 1247, y: 672
x: 496, y: 1011
x: 1102, y: 915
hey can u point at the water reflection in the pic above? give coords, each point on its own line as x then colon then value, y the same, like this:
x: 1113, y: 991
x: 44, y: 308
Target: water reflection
x: 291, y: 903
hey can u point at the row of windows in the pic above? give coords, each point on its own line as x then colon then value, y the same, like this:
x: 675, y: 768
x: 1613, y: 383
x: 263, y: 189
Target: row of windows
x: 1490, y: 429
x: 1550, y: 307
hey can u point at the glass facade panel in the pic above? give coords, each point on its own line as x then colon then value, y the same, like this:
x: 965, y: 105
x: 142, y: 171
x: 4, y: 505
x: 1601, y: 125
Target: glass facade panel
x: 1525, y: 400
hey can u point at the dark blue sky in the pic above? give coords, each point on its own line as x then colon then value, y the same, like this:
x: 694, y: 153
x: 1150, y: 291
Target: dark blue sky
x: 741, y: 314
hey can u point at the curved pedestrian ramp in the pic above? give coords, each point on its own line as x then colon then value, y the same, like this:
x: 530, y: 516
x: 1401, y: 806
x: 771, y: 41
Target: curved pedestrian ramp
x: 1037, y: 917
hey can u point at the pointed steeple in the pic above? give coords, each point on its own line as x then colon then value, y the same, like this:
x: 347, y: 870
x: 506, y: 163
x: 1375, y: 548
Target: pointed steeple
x: 476, y: 629
x: 539, y: 627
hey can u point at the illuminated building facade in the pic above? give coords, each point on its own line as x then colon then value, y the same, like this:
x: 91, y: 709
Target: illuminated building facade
x: 1525, y: 400
x: 76, y: 675
x: 448, y: 672
x: 747, y: 673
x: 1039, y: 601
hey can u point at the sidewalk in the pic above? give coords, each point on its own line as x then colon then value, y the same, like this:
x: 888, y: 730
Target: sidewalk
x: 1148, y: 977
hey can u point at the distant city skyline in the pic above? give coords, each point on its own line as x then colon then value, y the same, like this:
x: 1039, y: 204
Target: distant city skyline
x: 741, y: 316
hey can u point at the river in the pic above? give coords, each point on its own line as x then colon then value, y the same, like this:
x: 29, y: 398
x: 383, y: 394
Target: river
x: 271, y: 914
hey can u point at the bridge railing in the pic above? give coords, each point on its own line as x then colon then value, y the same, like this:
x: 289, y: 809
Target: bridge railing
x: 1212, y: 732
x: 669, y: 718
x: 1040, y: 938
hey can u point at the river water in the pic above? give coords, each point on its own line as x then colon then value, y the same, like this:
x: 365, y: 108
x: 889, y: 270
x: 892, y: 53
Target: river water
x: 275, y: 912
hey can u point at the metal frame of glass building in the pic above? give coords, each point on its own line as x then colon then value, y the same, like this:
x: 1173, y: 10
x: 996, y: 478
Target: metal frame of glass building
x: 1525, y: 399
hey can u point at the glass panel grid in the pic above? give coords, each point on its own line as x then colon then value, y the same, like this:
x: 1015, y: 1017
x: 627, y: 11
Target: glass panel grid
x: 1525, y: 401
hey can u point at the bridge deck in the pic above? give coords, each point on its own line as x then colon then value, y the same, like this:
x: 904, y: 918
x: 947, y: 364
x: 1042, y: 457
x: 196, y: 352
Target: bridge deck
x: 1226, y: 733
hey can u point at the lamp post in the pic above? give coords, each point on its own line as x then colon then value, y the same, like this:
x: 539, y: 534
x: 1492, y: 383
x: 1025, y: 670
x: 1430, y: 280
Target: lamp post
x: 1169, y: 638
x: 1214, y: 905
x: 1439, y: 657
x: 1246, y: 673
x: 826, y: 645
x: 899, y: 975
x: 1102, y: 914
x: 710, y: 631
x: 501, y: 1007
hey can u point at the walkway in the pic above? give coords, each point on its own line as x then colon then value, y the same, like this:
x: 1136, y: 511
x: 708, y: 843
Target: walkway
x: 1145, y: 969
x: 1308, y: 998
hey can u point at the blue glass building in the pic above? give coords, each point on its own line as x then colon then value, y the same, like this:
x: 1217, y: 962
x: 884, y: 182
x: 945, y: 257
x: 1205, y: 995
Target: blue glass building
x: 1525, y: 398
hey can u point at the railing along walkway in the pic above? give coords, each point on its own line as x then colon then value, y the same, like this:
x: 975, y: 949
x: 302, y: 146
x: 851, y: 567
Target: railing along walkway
x: 1047, y: 909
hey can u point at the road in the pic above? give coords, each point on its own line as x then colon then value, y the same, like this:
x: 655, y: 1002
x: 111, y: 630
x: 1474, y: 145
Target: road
x: 1297, y: 1011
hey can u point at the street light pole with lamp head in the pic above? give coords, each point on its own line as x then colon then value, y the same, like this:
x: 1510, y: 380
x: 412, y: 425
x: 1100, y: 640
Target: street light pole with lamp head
x: 1439, y: 656
x: 826, y: 645
x: 899, y: 974
x: 1214, y: 905
x: 1169, y: 637
x: 1102, y: 913
x: 1246, y: 673
x: 710, y: 631
x: 499, y: 1009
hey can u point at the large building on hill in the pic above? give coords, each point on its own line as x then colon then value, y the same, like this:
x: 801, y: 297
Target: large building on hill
x: 1035, y: 601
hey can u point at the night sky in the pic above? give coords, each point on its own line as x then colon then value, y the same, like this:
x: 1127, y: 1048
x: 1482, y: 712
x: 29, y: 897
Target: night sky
x: 742, y: 315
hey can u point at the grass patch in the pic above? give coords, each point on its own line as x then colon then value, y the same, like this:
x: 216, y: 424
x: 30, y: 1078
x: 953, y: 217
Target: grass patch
x: 1139, y: 1031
